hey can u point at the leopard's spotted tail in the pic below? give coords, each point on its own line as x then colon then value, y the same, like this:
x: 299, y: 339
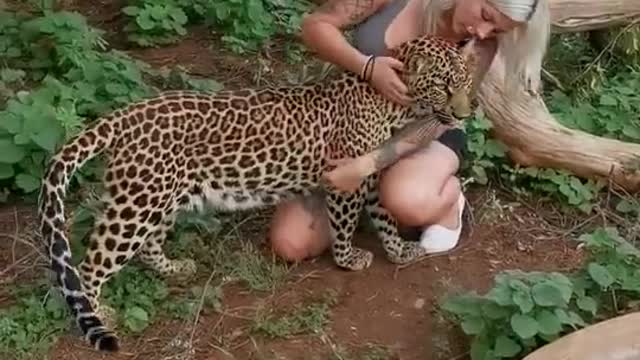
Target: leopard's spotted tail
x: 52, y: 227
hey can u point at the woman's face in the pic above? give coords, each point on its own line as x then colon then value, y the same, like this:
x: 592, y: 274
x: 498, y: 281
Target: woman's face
x: 479, y: 18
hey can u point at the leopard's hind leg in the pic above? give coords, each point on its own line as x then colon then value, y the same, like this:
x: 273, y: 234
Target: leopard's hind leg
x: 120, y: 231
x: 398, y: 250
x: 154, y: 257
x: 343, y: 211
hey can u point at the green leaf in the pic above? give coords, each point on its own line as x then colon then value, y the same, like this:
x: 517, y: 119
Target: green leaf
x: 179, y: 16
x: 131, y: 10
x: 631, y: 131
x: 506, y: 347
x: 6, y: 171
x: 144, y: 21
x: 472, y: 325
x: 522, y: 298
x: 548, y: 323
x: 116, y: 88
x: 49, y: 138
x: 480, y: 175
x: 547, y: 294
x: 480, y: 348
x: 494, y: 311
x: 524, y: 325
x: 600, y: 275
x: 10, y: 153
x: 463, y: 305
x: 27, y: 183
x: 136, y: 318
x: 495, y: 148
x: 608, y: 100
x: 501, y: 294
x: 588, y: 304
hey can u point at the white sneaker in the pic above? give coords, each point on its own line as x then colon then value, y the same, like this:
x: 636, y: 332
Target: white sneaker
x: 437, y: 238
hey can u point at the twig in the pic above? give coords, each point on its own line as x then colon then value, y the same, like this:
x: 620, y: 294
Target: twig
x: 200, y: 306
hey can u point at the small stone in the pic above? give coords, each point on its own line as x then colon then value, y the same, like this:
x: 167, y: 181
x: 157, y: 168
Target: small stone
x: 419, y: 304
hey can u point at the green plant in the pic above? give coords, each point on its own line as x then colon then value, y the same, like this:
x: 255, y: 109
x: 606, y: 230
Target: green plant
x: 310, y: 318
x: 525, y: 310
x: 59, y: 77
x: 30, y: 325
x: 155, y: 22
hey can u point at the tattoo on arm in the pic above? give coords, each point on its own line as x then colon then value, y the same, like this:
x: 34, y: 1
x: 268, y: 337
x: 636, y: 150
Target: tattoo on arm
x: 418, y: 133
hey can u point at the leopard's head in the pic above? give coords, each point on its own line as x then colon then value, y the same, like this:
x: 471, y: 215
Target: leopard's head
x: 439, y: 74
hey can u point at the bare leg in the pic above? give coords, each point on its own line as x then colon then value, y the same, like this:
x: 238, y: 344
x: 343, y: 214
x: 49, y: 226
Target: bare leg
x: 299, y: 229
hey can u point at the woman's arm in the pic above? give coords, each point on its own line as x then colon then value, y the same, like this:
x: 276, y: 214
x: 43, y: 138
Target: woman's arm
x: 349, y: 173
x: 322, y: 31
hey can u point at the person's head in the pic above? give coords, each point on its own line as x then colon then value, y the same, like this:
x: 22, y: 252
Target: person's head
x: 522, y: 28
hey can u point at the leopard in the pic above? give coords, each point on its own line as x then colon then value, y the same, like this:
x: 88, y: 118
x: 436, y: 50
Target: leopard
x: 233, y: 150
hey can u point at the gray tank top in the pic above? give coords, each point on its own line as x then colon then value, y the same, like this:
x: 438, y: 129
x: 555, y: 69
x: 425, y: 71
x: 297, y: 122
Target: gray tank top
x: 368, y: 36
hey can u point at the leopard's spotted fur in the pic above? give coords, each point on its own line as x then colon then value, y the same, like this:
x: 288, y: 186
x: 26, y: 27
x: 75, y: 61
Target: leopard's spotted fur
x: 234, y: 150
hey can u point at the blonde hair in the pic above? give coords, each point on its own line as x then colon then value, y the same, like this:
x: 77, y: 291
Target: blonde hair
x: 522, y: 49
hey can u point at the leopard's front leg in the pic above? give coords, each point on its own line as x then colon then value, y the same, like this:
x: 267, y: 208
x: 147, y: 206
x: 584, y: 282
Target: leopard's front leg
x: 343, y: 211
x: 398, y: 250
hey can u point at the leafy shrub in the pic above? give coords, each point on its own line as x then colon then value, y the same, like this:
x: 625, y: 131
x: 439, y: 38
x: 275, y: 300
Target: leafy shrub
x: 246, y: 24
x: 525, y: 310
x: 58, y: 77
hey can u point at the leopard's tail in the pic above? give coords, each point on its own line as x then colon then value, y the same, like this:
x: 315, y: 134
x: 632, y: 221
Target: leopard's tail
x: 60, y: 169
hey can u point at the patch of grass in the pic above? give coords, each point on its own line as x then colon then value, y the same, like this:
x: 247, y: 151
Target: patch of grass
x: 305, y: 319
x: 367, y: 352
x: 30, y: 326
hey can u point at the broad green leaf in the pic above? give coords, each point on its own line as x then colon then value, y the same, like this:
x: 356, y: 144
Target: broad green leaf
x: 27, y: 183
x: 501, y: 295
x: 144, y: 21
x: 506, y: 347
x: 136, y: 318
x: 587, y: 304
x: 600, y: 275
x: 48, y: 138
x: 524, y: 325
x: 472, y: 325
x: 179, y: 16
x: 6, y: 171
x: 116, y: 88
x: 548, y: 323
x: 10, y: 153
x: 463, y: 305
x: 547, y: 294
x: 159, y: 12
x: 522, y: 298
x: 131, y: 10
x: 631, y: 131
x: 494, y: 148
x: 494, y: 311
x: 606, y: 99
x: 480, y: 347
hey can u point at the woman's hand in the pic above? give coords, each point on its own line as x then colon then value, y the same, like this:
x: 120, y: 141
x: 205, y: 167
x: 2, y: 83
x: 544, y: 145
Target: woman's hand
x: 348, y: 174
x: 385, y: 79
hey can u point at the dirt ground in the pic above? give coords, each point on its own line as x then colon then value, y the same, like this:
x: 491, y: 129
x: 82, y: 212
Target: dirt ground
x: 392, y: 308
x: 384, y: 305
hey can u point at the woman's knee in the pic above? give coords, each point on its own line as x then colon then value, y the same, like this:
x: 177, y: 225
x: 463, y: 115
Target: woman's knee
x: 296, y: 234
x: 418, y: 205
x: 417, y: 197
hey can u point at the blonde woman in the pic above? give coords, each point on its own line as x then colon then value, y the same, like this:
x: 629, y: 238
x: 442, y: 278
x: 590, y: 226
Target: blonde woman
x: 422, y: 189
